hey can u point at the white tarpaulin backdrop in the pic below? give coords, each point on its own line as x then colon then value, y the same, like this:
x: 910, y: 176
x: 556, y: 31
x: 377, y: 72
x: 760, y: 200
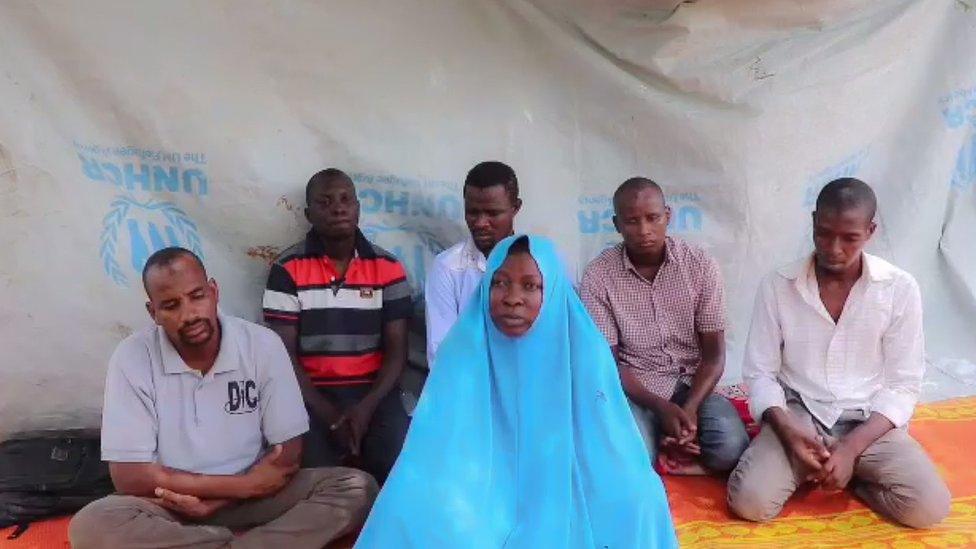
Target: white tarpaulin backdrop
x: 128, y: 126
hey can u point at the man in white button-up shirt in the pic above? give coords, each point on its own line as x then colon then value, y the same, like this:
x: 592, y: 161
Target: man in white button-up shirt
x: 834, y: 362
x: 491, y: 200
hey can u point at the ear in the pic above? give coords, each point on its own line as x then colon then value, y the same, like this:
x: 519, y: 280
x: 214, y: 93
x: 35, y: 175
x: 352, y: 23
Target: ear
x: 871, y: 228
x: 306, y: 214
x: 616, y: 224
x: 214, y: 288
x: 151, y: 310
x: 667, y: 215
x: 518, y: 205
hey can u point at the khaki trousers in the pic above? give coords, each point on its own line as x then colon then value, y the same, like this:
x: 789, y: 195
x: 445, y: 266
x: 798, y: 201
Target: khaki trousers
x: 894, y: 476
x: 317, y: 506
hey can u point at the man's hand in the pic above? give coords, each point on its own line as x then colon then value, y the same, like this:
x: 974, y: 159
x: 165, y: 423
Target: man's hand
x: 676, y: 423
x: 808, y: 451
x: 190, y: 507
x: 356, y: 419
x: 267, y: 476
x: 838, y: 469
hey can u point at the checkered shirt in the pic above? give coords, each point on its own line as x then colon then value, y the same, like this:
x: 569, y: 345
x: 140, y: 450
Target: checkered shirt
x: 655, y: 324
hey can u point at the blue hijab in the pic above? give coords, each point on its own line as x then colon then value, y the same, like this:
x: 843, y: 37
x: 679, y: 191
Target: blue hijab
x: 523, y: 442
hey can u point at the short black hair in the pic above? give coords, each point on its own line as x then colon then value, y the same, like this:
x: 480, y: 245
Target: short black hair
x: 633, y: 184
x: 327, y: 175
x: 847, y: 193
x: 491, y: 173
x: 520, y: 246
x: 165, y: 257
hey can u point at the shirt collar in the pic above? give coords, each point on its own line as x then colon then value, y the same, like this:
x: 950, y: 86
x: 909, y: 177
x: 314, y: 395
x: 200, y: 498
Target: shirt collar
x: 227, y: 356
x: 668, y: 256
x: 471, y: 256
x: 875, y: 269
x: 363, y: 249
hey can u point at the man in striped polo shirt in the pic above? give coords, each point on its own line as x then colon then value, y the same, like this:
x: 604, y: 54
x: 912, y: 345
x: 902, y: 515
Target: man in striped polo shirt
x: 341, y: 305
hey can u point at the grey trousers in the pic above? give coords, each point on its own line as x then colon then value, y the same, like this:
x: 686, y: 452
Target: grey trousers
x: 317, y: 506
x: 894, y: 476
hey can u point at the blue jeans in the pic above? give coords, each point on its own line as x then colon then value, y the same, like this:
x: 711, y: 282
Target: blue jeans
x: 721, y: 433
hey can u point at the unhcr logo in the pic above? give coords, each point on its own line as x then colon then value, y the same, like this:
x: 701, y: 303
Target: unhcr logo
x: 959, y: 112
x: 134, y: 229
x: 139, y: 229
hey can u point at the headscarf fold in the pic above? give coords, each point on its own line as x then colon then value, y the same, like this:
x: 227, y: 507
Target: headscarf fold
x: 523, y: 442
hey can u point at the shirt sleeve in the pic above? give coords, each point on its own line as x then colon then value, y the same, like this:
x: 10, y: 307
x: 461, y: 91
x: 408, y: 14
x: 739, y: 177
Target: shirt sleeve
x: 710, y: 310
x: 397, y: 300
x: 903, y: 348
x: 440, y: 307
x: 129, y: 421
x: 763, y: 355
x: 593, y: 293
x: 283, y: 415
x: 281, y: 303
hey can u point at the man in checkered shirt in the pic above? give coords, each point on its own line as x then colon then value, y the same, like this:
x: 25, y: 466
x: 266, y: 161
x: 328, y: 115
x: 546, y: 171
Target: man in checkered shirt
x: 660, y: 303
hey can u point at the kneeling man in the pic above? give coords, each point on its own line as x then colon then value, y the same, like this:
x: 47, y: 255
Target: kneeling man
x: 834, y: 363
x: 202, y: 429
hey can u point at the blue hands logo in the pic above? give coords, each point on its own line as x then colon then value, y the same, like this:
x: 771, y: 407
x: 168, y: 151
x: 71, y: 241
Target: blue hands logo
x: 142, y: 228
x: 964, y: 176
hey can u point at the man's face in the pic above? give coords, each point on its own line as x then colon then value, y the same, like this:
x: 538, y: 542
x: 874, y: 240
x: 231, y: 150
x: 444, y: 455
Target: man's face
x: 839, y: 237
x: 333, y: 208
x: 642, y: 220
x: 489, y: 213
x: 183, y: 302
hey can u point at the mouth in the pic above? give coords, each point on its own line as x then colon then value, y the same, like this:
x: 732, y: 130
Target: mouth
x: 511, y: 321
x: 195, y: 330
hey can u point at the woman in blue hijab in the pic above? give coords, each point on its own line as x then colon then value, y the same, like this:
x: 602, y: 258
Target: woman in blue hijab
x: 523, y: 437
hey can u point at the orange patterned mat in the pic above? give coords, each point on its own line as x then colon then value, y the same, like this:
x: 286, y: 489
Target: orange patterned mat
x: 811, y: 520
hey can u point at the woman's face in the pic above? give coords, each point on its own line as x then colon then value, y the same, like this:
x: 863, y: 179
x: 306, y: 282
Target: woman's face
x: 516, y: 295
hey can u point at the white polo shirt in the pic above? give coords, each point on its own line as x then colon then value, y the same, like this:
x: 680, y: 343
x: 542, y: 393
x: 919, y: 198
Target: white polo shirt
x: 872, y: 359
x: 451, y: 282
x: 157, y: 409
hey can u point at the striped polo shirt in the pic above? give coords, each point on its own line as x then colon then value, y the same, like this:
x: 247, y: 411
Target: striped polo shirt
x: 340, y: 320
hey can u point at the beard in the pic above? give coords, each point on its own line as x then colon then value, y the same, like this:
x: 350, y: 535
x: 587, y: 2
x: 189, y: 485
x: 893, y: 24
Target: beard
x: 197, y: 333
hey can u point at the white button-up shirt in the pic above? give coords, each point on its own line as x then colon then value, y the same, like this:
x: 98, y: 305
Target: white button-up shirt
x: 451, y: 282
x: 871, y: 359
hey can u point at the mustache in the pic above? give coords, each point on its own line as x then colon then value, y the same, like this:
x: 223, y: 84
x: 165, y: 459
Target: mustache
x: 194, y: 324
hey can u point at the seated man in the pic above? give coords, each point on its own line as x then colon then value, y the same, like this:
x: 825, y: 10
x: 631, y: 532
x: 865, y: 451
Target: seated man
x: 661, y: 305
x: 341, y: 306
x: 491, y: 200
x: 834, y: 362
x: 191, y: 406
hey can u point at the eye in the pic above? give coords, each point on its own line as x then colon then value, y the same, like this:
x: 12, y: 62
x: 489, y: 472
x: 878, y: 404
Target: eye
x: 532, y: 286
x: 499, y: 283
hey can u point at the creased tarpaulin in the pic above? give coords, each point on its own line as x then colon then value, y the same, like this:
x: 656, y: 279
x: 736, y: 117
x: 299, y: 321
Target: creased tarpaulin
x: 128, y: 127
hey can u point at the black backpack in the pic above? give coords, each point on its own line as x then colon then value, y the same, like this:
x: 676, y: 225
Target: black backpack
x: 49, y: 473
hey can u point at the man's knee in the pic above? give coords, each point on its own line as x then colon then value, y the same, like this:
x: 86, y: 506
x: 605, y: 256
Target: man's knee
x: 91, y: 526
x: 926, y: 508
x: 723, y: 439
x: 751, y: 502
x: 357, y: 487
x: 723, y: 455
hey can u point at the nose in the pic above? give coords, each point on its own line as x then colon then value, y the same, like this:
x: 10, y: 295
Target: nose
x: 645, y: 228
x: 834, y: 247
x: 512, y: 297
x: 481, y: 222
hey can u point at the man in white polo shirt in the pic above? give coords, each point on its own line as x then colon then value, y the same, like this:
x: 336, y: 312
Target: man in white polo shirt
x: 202, y: 428
x: 834, y: 363
x: 491, y: 200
